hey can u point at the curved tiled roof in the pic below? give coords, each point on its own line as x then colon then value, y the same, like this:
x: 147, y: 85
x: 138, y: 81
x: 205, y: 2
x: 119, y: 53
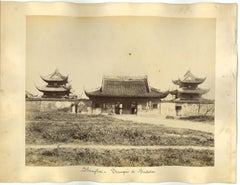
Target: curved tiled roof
x: 125, y: 86
x: 55, y: 76
x: 52, y: 89
x: 189, y: 78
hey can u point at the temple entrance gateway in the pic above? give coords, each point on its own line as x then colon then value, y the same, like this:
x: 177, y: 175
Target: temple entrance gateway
x: 178, y: 108
x: 126, y: 94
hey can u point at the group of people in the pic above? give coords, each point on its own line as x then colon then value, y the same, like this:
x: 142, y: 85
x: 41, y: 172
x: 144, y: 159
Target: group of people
x: 116, y: 109
x: 134, y: 108
x: 119, y: 108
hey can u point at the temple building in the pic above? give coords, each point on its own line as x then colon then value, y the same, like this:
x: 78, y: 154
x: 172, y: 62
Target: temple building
x: 188, y: 90
x: 57, y: 85
x: 125, y: 95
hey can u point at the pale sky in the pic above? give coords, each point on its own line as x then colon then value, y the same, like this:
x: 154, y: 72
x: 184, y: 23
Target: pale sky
x: 88, y: 48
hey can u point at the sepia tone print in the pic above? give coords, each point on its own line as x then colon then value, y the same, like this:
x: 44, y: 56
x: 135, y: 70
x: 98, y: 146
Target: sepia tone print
x: 109, y: 91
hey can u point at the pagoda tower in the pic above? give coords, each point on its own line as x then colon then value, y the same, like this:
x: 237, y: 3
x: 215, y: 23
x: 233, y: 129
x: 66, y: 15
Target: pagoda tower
x: 57, y: 85
x: 188, y: 90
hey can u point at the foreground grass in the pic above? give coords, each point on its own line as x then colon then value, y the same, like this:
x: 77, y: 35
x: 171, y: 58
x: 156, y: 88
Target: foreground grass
x: 55, y: 127
x: 119, y: 157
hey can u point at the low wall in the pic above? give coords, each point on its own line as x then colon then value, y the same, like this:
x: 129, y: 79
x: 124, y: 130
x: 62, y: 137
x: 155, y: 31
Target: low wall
x: 66, y: 105
x: 197, y: 109
x: 187, y: 109
x: 85, y: 105
x: 168, y: 109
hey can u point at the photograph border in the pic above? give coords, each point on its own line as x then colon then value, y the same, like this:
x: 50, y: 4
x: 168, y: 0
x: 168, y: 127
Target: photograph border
x: 13, y: 94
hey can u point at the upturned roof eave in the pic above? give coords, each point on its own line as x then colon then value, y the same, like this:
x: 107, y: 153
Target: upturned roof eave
x: 48, y: 89
x: 181, y: 82
x: 48, y: 79
x: 123, y: 96
x: 100, y: 94
x: 202, y: 91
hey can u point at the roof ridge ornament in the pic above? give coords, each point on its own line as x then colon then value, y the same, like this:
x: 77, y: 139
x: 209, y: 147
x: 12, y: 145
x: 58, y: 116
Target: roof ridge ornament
x: 189, y: 75
x: 124, y: 77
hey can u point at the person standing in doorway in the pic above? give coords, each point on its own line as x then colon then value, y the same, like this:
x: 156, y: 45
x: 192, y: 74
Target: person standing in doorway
x: 76, y: 107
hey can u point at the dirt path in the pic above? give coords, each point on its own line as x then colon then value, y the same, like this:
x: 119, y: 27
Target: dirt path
x: 115, y: 147
x: 158, y: 120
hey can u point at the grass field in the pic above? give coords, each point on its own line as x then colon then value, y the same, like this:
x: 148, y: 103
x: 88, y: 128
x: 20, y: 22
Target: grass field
x: 120, y: 157
x: 53, y: 128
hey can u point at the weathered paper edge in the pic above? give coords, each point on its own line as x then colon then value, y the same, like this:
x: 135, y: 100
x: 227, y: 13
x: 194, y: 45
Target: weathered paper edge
x: 12, y: 112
